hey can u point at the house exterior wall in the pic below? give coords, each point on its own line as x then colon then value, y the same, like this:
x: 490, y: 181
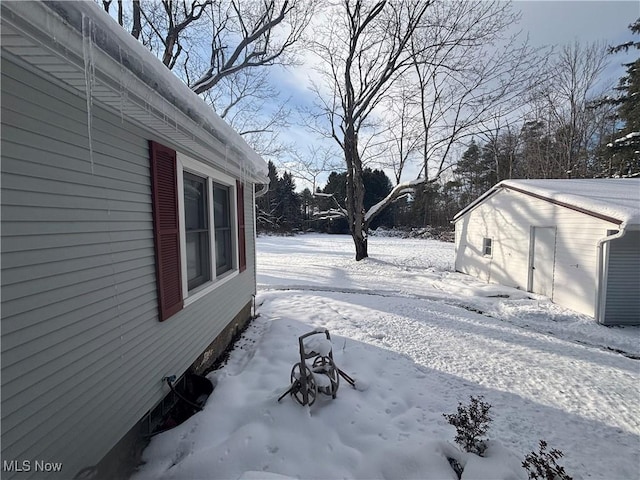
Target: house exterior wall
x: 83, y: 353
x: 623, y: 281
x: 508, y: 218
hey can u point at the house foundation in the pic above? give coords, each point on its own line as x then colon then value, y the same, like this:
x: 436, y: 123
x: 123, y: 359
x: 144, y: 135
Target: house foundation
x: 125, y: 456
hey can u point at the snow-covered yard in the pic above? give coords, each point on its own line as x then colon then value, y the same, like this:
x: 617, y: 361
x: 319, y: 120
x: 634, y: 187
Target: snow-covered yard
x: 419, y: 338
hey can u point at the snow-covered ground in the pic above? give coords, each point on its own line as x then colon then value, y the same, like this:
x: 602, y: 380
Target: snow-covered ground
x: 419, y: 338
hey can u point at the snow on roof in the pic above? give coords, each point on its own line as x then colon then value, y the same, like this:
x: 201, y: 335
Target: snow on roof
x: 97, y: 29
x: 615, y: 198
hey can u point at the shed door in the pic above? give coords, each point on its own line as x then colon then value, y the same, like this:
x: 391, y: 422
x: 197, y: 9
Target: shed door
x: 543, y: 254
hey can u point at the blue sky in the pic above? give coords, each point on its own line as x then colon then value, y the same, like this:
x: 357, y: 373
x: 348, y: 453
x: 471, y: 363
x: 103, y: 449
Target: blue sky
x: 562, y: 22
x: 558, y: 22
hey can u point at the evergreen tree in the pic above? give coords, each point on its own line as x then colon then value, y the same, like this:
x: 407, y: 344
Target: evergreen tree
x: 376, y: 187
x: 307, y: 208
x: 435, y: 204
x: 337, y: 187
x: 288, y: 204
x: 267, y: 205
x: 279, y: 208
x: 623, y: 155
x: 476, y: 171
x: 502, y: 153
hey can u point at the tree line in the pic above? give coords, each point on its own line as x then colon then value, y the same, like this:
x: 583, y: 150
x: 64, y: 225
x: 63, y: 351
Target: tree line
x: 284, y: 210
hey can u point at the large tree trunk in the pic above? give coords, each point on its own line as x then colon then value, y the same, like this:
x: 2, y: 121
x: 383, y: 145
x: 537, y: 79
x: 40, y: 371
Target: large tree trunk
x: 361, y: 245
x: 137, y: 21
x: 355, y: 194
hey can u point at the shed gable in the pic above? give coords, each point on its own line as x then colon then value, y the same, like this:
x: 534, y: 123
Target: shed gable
x: 510, y: 218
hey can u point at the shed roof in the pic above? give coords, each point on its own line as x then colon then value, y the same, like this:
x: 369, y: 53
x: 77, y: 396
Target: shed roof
x: 83, y: 47
x: 613, y: 199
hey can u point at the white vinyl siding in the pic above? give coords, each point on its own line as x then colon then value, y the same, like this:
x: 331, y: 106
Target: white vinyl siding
x: 83, y: 352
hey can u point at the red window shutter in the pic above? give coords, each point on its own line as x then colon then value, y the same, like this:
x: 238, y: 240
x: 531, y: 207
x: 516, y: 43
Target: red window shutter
x: 242, y: 248
x: 166, y: 231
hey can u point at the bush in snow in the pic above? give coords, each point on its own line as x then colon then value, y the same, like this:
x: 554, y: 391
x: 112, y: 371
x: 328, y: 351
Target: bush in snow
x: 542, y: 465
x: 471, y: 422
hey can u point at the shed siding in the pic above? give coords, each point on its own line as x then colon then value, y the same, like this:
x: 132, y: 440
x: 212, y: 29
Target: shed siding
x: 623, y: 281
x: 508, y: 217
x: 83, y: 352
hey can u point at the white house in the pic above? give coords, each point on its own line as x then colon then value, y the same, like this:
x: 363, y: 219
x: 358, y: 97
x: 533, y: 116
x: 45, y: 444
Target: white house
x: 128, y: 252
x: 575, y: 241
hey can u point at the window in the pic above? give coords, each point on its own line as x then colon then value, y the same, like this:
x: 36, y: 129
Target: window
x: 196, y: 225
x: 487, y: 247
x: 221, y: 214
x: 242, y: 251
x: 199, y: 230
x: 209, y: 228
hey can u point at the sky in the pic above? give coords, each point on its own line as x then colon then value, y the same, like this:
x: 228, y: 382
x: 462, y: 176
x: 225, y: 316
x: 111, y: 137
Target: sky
x: 546, y: 23
x: 560, y: 23
x: 554, y: 22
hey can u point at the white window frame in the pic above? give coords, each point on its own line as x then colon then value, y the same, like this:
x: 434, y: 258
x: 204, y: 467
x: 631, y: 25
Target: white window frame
x: 487, y: 242
x: 188, y: 164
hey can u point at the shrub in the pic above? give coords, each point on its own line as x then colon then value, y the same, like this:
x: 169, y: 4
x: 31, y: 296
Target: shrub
x: 471, y: 423
x: 542, y: 465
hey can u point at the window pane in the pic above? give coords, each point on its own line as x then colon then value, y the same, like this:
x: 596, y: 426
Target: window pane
x: 223, y: 250
x: 221, y: 206
x: 198, y: 270
x: 195, y: 202
x: 486, y: 246
x: 221, y: 219
x: 197, y: 233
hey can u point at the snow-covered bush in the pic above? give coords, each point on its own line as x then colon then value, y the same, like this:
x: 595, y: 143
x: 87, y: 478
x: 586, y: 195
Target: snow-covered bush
x: 542, y: 465
x: 444, y: 234
x: 471, y: 422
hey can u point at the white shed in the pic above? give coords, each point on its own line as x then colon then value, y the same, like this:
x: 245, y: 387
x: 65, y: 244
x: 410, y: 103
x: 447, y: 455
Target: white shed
x: 575, y: 241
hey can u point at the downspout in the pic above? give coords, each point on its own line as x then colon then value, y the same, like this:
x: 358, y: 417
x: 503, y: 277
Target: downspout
x: 600, y: 272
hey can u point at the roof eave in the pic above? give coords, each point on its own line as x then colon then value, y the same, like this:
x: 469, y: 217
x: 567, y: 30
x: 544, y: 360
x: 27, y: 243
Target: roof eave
x: 506, y: 185
x: 124, y: 90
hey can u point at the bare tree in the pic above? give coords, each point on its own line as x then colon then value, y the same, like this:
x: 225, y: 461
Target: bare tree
x: 240, y: 34
x: 308, y: 165
x: 398, y: 144
x: 576, y: 73
x: 221, y: 48
x: 136, y: 29
x: 374, y: 51
x: 247, y: 102
x: 106, y: 4
x: 363, y: 51
x: 467, y: 75
x: 564, y: 124
x: 265, y: 30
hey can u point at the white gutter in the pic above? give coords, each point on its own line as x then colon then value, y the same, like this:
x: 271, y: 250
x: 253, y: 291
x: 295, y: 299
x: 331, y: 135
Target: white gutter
x: 128, y: 79
x: 601, y: 271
